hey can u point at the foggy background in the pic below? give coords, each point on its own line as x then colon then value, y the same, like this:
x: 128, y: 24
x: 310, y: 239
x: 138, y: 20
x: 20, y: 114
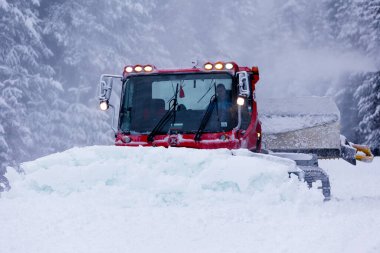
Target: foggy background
x: 52, y: 54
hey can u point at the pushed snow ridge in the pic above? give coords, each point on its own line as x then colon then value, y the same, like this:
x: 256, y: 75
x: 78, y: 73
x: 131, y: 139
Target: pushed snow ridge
x: 157, y: 176
x: 117, y: 199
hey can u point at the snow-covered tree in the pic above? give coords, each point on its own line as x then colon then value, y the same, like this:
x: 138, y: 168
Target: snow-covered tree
x: 94, y: 38
x: 348, y: 105
x: 368, y: 95
x: 26, y: 82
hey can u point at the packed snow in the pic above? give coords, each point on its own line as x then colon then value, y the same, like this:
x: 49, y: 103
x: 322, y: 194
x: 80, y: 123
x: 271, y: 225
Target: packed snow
x: 118, y: 199
x: 279, y: 115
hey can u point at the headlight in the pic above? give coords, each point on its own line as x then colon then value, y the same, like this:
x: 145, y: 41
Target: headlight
x: 104, y: 105
x: 126, y: 139
x: 240, y: 101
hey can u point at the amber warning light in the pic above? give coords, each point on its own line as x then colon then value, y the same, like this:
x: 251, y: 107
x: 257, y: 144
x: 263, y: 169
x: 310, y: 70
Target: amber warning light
x: 218, y: 66
x: 139, y: 68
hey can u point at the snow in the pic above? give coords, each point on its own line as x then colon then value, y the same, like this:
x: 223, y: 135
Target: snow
x: 298, y: 105
x: 4, y: 4
x: 279, y: 115
x: 118, y: 199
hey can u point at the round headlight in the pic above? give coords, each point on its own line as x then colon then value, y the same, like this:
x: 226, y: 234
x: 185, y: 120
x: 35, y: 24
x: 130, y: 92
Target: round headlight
x: 240, y: 101
x: 223, y: 137
x: 103, y: 105
x: 126, y: 139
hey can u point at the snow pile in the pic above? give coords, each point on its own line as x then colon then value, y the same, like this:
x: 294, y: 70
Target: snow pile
x: 157, y: 175
x: 117, y: 199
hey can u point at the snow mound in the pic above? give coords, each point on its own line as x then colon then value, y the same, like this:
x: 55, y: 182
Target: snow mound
x: 159, y: 175
x: 118, y: 199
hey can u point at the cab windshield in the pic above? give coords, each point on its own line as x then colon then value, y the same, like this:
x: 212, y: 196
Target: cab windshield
x: 147, y: 99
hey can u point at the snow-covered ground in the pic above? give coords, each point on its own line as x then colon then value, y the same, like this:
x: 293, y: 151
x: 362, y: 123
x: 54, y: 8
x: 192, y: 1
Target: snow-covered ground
x: 113, y: 199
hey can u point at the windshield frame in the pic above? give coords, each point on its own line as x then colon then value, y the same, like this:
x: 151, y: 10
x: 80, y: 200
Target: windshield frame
x: 126, y: 80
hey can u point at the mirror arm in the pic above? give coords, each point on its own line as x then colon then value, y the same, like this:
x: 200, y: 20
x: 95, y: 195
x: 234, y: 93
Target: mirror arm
x: 239, y: 119
x: 113, y: 119
x: 105, y: 88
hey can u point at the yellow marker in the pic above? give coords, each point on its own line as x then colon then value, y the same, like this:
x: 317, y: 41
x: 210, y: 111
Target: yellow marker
x: 363, y: 153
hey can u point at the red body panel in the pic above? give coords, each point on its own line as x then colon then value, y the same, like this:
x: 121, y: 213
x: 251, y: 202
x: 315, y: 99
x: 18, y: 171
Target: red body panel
x: 229, y: 140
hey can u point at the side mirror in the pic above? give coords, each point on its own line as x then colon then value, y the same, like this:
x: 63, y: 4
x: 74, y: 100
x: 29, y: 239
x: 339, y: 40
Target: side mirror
x: 243, y: 93
x: 243, y: 84
x: 105, y: 90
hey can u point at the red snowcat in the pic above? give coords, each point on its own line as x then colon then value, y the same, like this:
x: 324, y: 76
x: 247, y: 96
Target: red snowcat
x: 214, y: 106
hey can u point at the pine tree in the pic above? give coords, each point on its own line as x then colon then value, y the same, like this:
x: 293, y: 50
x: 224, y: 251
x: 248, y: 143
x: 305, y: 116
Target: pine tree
x: 354, y: 25
x: 369, y: 24
x: 348, y: 106
x: 94, y: 38
x: 368, y: 95
x: 26, y: 83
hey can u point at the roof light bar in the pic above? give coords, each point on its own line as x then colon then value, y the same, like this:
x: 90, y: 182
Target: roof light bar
x: 219, y: 66
x: 138, y: 68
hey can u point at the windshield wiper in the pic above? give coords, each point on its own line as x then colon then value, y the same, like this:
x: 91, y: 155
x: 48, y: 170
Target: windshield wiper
x: 168, y: 115
x: 207, y: 116
x: 207, y: 91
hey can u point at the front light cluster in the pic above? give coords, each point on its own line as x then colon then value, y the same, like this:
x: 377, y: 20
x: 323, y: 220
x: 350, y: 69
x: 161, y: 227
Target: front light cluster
x: 104, y: 105
x: 240, y: 101
x: 218, y: 66
x: 139, y: 68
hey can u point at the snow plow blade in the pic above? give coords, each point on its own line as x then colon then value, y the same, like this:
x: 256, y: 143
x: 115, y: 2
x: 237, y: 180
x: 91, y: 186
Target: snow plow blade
x: 307, y: 125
